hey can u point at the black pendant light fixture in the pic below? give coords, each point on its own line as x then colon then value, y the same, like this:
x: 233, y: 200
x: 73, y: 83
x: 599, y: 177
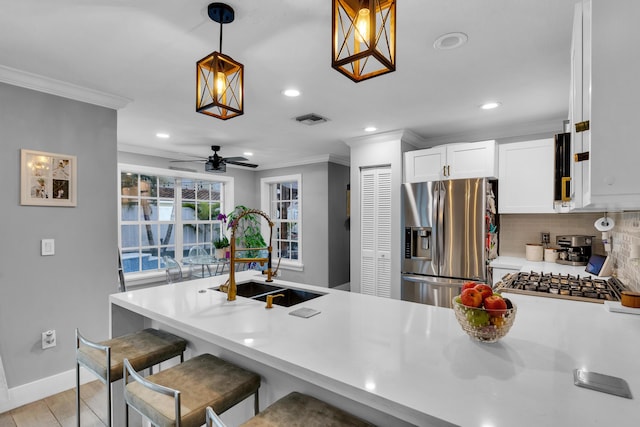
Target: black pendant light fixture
x: 364, y: 38
x: 219, y: 91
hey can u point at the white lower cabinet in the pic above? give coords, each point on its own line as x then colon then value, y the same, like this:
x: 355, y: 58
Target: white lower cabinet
x: 525, y: 177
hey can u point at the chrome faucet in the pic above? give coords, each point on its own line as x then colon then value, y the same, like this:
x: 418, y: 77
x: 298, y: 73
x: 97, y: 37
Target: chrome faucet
x: 230, y: 285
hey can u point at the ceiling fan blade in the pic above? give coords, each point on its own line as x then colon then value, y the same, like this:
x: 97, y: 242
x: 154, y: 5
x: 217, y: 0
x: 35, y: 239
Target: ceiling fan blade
x: 233, y: 162
x: 235, y: 159
x: 185, y: 161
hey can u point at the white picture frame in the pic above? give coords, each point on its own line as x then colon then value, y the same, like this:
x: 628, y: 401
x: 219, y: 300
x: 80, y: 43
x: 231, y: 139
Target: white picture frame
x: 48, y: 179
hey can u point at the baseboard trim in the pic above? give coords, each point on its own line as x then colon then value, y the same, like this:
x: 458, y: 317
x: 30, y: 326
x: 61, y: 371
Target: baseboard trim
x: 45, y: 387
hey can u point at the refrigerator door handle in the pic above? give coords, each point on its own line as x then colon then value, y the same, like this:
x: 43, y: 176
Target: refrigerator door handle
x: 435, y: 230
x: 439, y: 223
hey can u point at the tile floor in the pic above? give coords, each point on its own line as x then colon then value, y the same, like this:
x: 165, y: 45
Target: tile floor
x: 59, y: 410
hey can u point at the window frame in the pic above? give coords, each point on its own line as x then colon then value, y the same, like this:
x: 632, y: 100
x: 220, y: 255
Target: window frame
x: 227, y: 203
x: 265, y: 205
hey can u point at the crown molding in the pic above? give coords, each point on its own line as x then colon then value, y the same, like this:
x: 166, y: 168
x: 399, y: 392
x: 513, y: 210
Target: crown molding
x: 401, y: 135
x: 323, y: 158
x: 51, y: 86
x: 505, y: 133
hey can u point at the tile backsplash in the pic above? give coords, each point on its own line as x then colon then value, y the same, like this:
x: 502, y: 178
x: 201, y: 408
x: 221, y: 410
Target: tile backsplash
x: 626, y: 234
x: 516, y: 230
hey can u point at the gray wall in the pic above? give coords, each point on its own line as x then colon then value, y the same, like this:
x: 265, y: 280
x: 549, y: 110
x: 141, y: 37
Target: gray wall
x: 315, y: 241
x: 71, y: 288
x: 339, y: 224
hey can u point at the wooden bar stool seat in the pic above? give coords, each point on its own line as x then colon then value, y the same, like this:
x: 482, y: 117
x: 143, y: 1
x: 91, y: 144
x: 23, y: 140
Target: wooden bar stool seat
x: 179, y: 396
x: 143, y: 349
x: 296, y: 410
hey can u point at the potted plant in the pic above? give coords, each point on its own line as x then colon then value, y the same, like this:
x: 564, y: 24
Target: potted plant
x: 221, y: 244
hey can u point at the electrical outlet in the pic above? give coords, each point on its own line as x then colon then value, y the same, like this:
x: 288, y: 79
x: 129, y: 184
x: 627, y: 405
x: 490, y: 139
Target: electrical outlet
x: 49, y: 339
x: 545, y: 237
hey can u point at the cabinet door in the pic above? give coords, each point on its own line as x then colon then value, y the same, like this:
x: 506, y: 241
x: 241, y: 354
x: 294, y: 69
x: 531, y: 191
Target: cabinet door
x: 375, y: 232
x: 580, y: 102
x: 525, y: 181
x: 471, y: 160
x: 609, y: 98
x: 424, y: 165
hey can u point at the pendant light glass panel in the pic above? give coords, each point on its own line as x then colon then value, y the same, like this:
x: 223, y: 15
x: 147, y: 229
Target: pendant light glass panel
x: 364, y: 37
x: 219, y: 86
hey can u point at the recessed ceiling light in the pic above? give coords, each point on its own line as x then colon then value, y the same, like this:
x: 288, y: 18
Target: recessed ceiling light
x: 291, y: 93
x: 490, y: 105
x: 450, y: 41
x: 370, y: 129
x: 162, y: 135
x: 248, y: 153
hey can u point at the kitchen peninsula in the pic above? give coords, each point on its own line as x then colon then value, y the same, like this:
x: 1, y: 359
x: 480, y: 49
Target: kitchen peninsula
x: 395, y: 362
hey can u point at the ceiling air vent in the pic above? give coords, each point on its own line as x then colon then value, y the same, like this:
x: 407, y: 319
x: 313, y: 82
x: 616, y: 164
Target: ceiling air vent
x: 311, y: 119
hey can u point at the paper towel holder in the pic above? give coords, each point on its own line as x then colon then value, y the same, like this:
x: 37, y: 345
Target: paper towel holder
x: 605, y: 223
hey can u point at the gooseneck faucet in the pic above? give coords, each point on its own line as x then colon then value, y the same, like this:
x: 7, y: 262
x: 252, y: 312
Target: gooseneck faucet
x: 230, y: 285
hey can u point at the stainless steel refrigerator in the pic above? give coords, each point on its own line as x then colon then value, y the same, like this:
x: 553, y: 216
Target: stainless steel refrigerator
x: 447, y: 226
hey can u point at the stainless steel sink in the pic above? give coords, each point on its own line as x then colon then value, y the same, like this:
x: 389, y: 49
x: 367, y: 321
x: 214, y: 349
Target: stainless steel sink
x: 260, y: 290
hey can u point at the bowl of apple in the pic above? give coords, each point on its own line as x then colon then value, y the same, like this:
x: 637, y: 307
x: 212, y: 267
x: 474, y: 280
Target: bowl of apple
x: 483, y: 314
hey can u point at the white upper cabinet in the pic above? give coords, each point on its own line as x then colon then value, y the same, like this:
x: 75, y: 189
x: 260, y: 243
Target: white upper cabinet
x: 604, y: 92
x: 425, y: 165
x: 525, y: 178
x: 452, y: 161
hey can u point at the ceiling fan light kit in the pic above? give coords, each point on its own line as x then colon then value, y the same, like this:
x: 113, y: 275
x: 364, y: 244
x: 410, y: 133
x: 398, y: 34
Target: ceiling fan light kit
x: 364, y: 38
x: 219, y: 78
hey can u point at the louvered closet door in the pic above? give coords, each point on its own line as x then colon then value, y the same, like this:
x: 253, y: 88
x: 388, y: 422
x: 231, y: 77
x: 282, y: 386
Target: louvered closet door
x: 375, y: 232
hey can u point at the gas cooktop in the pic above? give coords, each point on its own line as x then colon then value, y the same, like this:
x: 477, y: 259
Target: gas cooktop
x: 576, y: 288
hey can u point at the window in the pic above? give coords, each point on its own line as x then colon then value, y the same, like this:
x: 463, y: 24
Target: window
x: 165, y: 213
x: 281, y: 200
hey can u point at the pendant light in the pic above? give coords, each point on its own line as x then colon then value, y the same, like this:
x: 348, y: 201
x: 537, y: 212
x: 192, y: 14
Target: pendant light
x: 364, y: 38
x: 219, y: 91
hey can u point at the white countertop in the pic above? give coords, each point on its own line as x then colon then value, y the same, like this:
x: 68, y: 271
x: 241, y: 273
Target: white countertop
x: 414, y: 361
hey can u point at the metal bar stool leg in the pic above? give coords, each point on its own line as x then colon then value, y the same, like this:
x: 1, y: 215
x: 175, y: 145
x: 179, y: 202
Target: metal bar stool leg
x: 145, y: 348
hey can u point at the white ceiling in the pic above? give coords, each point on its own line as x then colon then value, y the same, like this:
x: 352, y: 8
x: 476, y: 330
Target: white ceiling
x: 146, y: 50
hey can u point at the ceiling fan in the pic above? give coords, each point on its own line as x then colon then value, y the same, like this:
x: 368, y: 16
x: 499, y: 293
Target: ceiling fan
x: 218, y: 164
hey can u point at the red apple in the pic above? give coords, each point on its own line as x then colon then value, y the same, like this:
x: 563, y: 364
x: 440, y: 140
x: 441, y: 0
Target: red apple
x: 467, y: 285
x: 485, y: 290
x: 471, y: 297
x: 495, y: 305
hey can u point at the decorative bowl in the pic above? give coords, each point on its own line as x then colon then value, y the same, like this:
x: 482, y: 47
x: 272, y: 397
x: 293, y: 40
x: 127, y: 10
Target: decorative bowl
x: 483, y: 324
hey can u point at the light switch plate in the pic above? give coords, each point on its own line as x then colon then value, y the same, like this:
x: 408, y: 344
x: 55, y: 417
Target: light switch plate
x: 47, y: 247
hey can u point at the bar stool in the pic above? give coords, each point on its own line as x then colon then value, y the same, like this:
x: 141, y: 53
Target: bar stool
x: 179, y: 396
x: 296, y: 410
x: 144, y: 349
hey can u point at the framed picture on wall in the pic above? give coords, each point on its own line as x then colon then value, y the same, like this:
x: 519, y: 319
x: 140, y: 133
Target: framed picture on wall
x: 47, y: 179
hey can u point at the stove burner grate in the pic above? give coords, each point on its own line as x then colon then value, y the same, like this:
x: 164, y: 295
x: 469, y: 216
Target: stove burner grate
x: 562, y: 286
